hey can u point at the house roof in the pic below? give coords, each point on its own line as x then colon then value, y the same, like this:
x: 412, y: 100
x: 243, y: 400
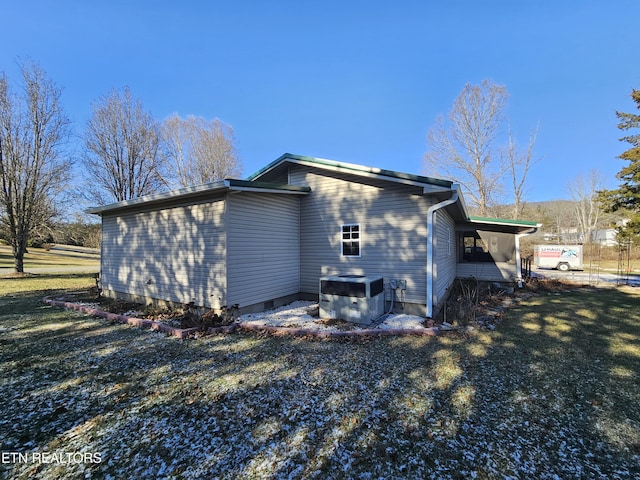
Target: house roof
x: 201, y: 191
x: 525, y: 223
x: 254, y: 184
x: 502, y: 225
x: 362, y: 170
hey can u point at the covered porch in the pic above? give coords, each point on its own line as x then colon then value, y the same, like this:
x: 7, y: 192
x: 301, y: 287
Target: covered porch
x: 489, y: 249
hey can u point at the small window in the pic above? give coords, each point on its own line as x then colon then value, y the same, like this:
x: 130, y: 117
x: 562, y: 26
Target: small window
x: 474, y: 248
x: 351, y: 240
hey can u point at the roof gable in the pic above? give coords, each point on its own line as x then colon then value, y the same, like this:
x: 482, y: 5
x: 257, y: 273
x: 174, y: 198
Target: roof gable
x: 354, y: 169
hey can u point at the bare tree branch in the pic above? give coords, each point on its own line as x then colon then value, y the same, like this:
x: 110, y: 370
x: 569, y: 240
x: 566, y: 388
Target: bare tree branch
x: 122, y: 149
x: 33, y: 129
x: 584, y: 192
x: 518, y: 165
x: 463, y: 146
x: 200, y: 151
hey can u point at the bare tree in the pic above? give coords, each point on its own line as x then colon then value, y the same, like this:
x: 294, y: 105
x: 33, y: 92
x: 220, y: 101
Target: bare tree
x: 518, y: 165
x: 33, y: 171
x: 558, y: 219
x: 200, y: 151
x: 122, y: 149
x: 584, y: 192
x: 463, y: 146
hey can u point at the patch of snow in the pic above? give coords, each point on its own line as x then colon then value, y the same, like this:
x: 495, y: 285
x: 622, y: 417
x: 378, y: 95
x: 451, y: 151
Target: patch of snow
x: 296, y: 315
x: 404, y: 321
x: 293, y: 315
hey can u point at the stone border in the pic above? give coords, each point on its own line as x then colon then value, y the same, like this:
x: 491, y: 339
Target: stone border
x: 114, y: 317
x: 183, y: 333
x: 303, y: 332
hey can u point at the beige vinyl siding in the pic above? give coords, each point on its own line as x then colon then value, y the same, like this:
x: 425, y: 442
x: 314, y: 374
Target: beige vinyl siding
x: 444, y: 255
x: 175, y: 254
x: 264, y: 247
x: 496, y: 272
x: 280, y: 175
x: 392, y: 219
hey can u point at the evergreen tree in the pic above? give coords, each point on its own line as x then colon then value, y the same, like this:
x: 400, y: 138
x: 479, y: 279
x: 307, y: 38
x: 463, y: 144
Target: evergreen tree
x: 627, y: 196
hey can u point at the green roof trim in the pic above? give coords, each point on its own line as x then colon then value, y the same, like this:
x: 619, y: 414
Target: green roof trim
x: 503, y: 221
x: 354, y: 168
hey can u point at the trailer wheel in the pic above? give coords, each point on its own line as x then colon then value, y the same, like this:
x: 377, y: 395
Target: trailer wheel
x: 563, y: 267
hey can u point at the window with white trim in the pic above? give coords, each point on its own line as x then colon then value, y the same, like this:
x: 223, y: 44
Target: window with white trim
x: 351, y: 240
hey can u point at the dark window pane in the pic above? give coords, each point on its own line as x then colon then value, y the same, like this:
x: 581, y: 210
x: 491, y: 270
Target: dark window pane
x: 351, y: 240
x: 350, y: 289
x: 351, y: 248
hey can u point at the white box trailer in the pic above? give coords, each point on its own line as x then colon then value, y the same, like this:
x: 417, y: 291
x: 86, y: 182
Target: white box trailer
x: 561, y: 257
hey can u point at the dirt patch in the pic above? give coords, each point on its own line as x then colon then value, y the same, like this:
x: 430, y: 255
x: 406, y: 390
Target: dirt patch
x: 338, y: 324
x: 185, y: 316
x: 472, y: 303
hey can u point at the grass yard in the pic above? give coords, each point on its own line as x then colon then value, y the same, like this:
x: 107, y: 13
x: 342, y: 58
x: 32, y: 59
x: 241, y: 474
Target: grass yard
x: 553, y: 392
x: 58, y: 256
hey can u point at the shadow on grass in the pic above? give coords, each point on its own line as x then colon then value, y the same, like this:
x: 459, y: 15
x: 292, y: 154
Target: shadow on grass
x: 554, y: 391
x: 564, y: 383
x: 36, y: 284
x: 40, y: 258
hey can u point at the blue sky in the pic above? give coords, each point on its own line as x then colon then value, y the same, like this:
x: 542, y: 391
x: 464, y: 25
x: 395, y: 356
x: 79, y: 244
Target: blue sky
x: 353, y: 81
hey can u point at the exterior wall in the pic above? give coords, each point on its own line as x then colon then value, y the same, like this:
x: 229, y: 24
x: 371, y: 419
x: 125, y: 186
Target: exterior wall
x: 494, y: 272
x: 444, y: 262
x: 263, y: 261
x: 392, y: 219
x: 175, y: 254
x: 279, y: 176
x: 253, y: 249
x: 606, y: 238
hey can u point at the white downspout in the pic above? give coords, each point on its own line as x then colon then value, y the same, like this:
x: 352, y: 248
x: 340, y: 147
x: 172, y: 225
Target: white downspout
x: 430, y: 235
x: 518, y: 262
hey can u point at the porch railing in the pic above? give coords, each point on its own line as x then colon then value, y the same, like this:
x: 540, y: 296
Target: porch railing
x: 525, y: 267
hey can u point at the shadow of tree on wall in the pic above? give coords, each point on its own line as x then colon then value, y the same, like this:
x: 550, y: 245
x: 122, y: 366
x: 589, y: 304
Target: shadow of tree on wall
x: 175, y: 254
x: 553, y: 391
x: 393, y: 231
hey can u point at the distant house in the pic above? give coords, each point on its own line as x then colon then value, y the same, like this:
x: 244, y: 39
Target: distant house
x: 267, y: 240
x: 609, y: 237
x: 606, y: 237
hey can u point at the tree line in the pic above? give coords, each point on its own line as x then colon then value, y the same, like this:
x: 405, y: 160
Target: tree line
x: 126, y: 153
x: 468, y: 145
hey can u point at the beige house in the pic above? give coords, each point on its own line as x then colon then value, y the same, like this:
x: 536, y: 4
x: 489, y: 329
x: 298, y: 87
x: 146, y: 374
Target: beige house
x: 267, y: 240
